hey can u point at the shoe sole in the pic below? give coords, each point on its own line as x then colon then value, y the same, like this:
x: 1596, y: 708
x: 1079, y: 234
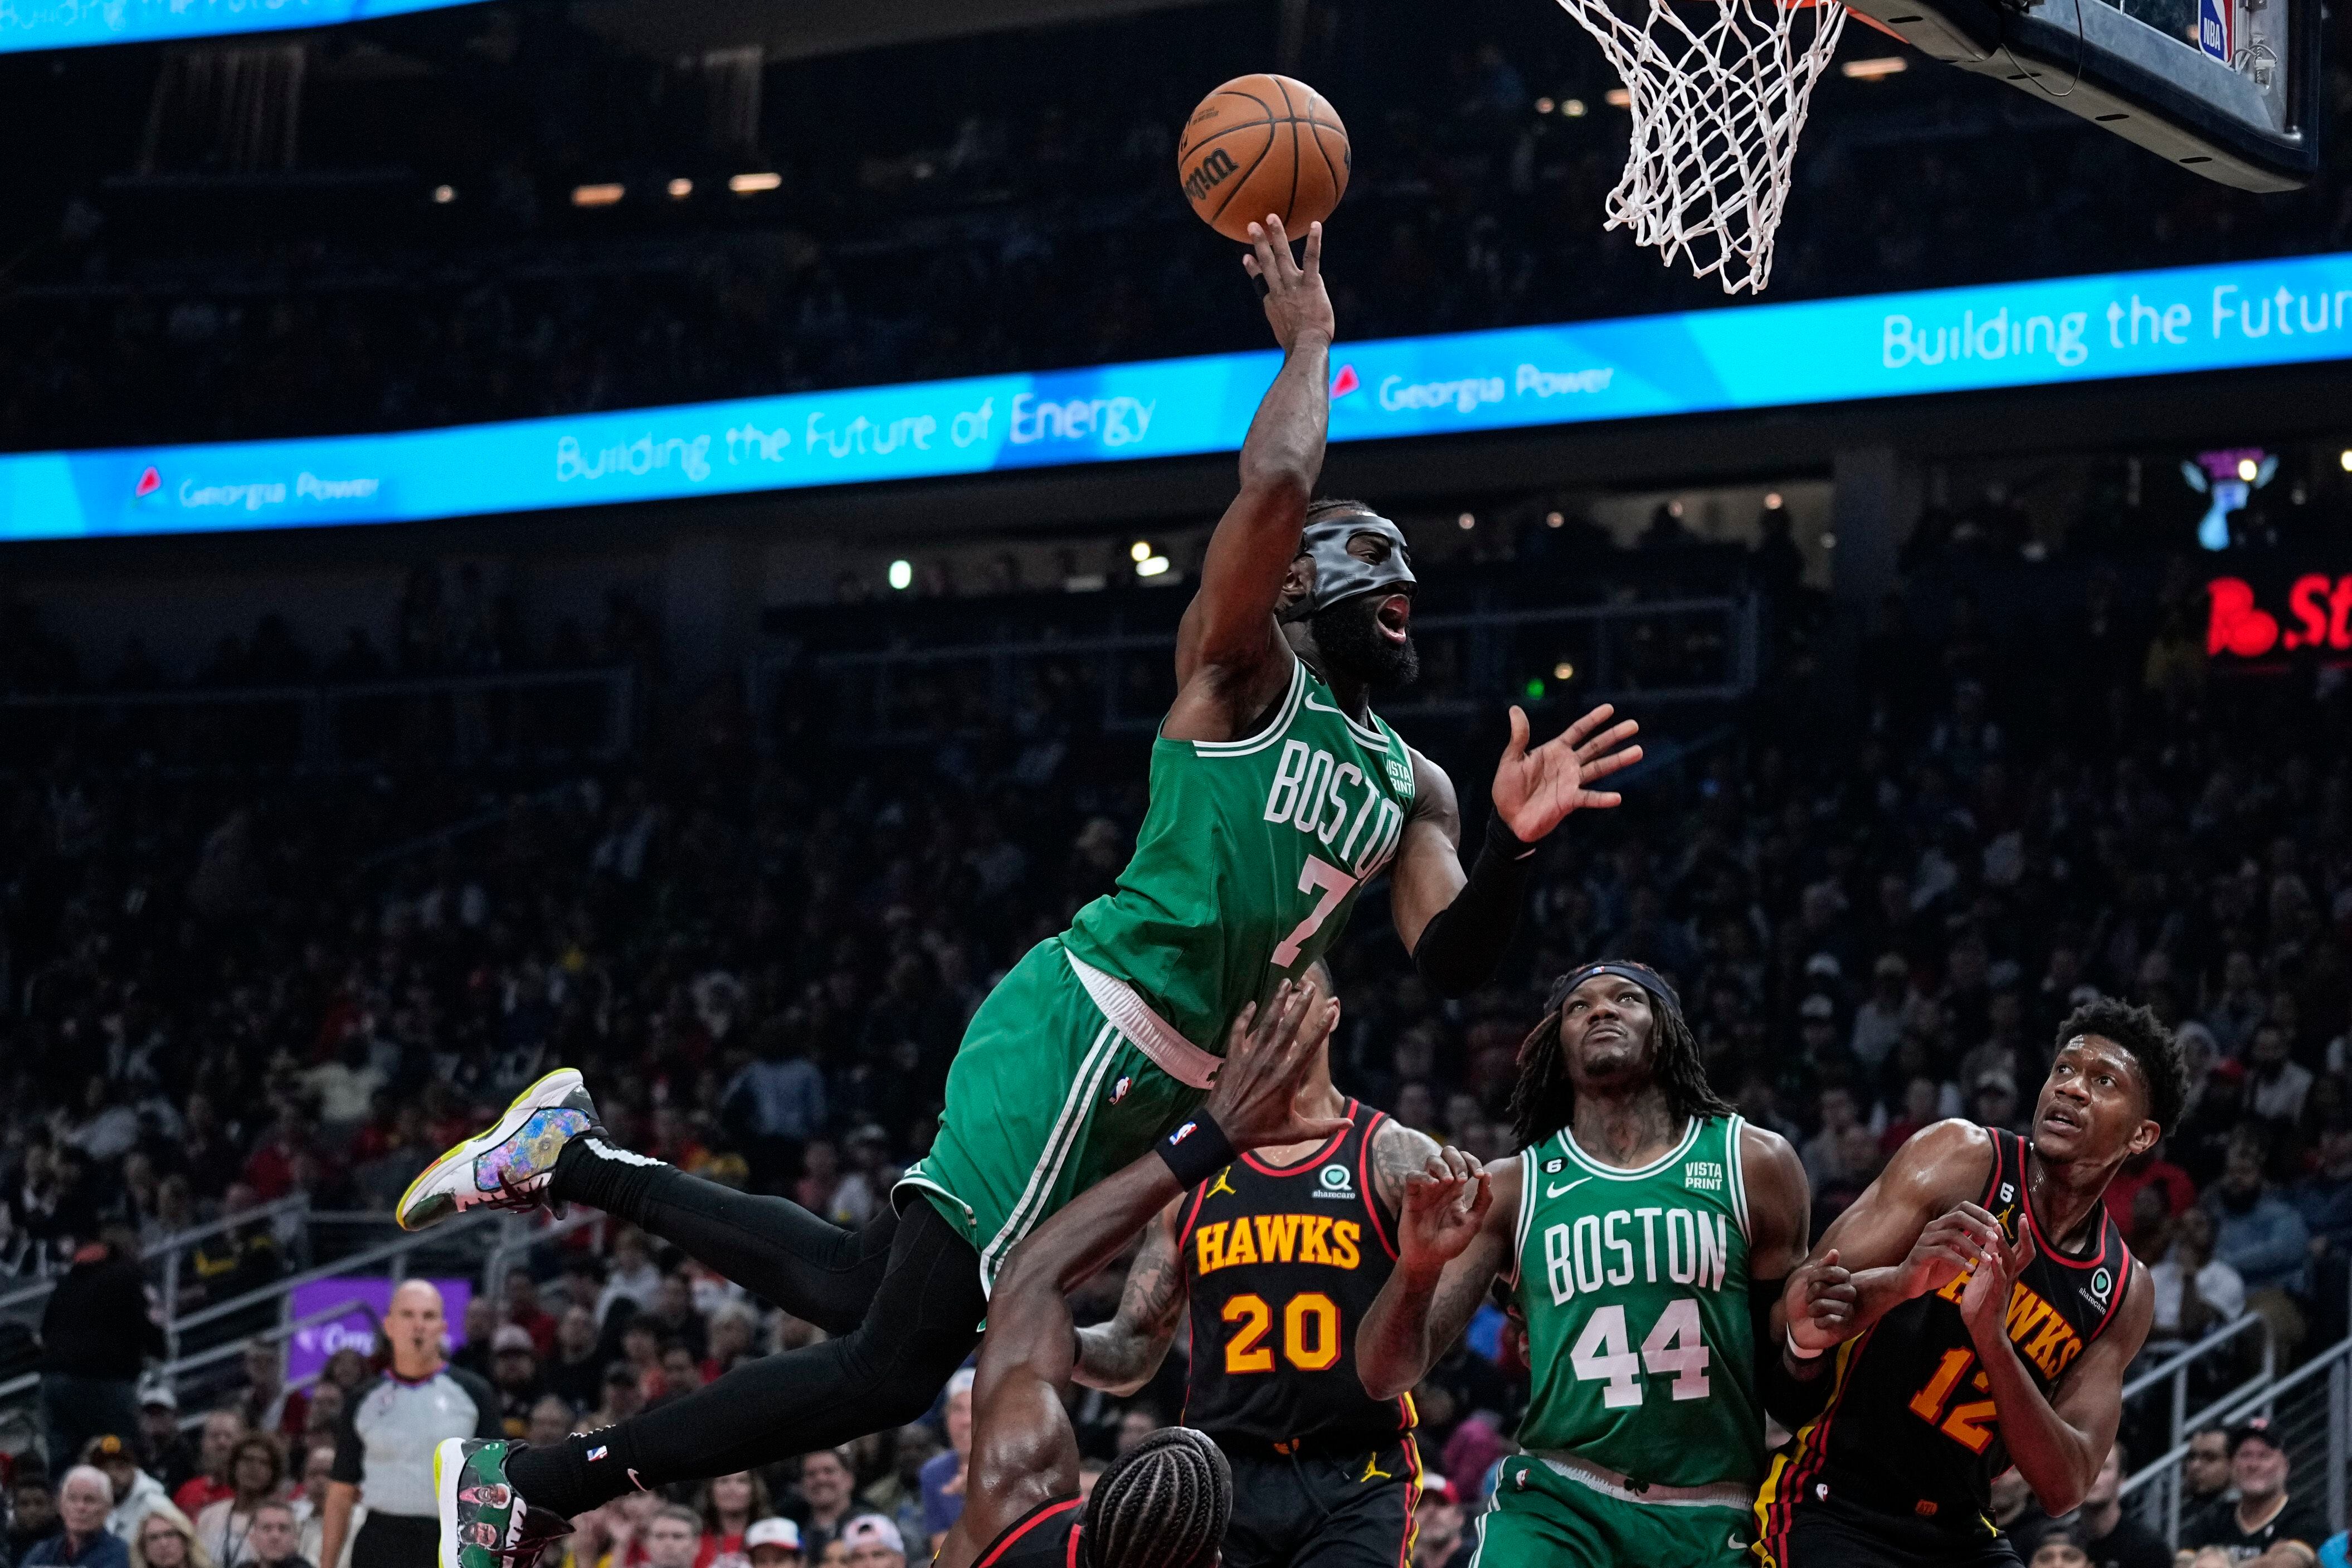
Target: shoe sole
x: 449, y: 1450
x: 519, y: 1110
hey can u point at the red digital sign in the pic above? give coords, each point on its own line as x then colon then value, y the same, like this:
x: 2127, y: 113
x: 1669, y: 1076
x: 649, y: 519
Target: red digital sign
x: 2318, y: 614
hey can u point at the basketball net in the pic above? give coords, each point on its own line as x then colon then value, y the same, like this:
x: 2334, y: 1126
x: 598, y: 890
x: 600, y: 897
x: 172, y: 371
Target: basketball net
x: 1717, y: 110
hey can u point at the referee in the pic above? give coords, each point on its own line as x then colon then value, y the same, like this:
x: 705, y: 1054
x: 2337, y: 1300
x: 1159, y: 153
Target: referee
x: 383, y: 1451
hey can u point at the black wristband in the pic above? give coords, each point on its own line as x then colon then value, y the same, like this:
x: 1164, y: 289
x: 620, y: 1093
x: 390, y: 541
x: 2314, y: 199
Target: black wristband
x: 1503, y: 842
x: 1198, y: 1150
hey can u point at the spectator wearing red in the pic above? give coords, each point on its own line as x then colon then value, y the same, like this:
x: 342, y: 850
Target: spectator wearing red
x: 211, y: 1482
x: 2149, y: 1170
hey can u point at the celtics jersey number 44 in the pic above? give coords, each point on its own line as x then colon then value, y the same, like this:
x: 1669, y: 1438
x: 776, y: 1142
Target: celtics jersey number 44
x: 1249, y: 858
x: 1634, y: 1287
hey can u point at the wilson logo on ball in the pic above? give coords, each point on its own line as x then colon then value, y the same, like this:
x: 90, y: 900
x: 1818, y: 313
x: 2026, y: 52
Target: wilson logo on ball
x: 1210, y: 171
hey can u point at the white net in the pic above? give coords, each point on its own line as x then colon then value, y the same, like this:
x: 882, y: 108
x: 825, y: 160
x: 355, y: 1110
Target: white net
x: 1718, y: 99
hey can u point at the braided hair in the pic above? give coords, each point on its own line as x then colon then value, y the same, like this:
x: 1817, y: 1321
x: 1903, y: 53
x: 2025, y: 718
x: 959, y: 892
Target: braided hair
x: 1163, y: 1504
x: 1543, y: 1100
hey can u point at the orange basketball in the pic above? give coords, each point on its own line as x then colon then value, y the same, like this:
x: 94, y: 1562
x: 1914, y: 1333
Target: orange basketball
x: 1263, y: 144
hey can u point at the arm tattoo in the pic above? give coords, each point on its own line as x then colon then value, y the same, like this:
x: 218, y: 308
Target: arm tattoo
x: 1123, y: 1354
x: 1397, y: 1153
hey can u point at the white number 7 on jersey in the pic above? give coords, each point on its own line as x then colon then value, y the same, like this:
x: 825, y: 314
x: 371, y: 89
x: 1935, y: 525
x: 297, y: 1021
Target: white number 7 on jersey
x: 1336, y: 885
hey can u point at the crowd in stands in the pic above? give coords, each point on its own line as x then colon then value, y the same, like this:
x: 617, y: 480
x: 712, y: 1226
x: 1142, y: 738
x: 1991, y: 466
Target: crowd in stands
x: 1878, y: 907
x: 986, y: 205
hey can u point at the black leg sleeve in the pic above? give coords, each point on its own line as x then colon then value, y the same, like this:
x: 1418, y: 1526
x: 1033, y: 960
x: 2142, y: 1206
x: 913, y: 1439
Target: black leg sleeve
x: 885, y: 1372
x: 770, y: 1247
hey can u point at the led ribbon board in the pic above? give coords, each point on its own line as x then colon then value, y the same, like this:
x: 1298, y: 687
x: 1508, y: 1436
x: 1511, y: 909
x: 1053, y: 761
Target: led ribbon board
x: 1759, y: 356
x: 78, y: 23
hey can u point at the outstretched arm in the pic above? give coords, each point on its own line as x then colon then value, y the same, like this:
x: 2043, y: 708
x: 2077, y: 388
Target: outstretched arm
x: 1121, y: 1356
x: 1452, y: 1238
x: 1456, y: 927
x: 1023, y: 1452
x: 1228, y: 631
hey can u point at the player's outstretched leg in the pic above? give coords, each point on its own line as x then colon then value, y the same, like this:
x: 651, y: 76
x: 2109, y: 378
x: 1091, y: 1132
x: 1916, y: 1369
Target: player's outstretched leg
x: 549, y: 1146
x: 496, y: 1496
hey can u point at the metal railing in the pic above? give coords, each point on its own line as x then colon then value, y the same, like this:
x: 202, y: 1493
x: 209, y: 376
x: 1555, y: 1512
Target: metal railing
x: 1701, y: 649
x: 2311, y: 1410
x: 482, y: 1242
x: 2175, y: 1369
x: 460, y: 719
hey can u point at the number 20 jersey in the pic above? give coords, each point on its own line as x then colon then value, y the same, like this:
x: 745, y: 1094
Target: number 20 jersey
x: 1283, y: 1262
x: 1249, y: 859
x: 1910, y: 1428
x: 1634, y: 1287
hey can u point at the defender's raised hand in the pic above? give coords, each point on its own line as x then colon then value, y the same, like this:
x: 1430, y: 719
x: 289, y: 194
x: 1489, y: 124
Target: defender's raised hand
x: 1446, y: 1202
x: 1295, y: 304
x: 1534, y: 790
x: 1267, y: 1054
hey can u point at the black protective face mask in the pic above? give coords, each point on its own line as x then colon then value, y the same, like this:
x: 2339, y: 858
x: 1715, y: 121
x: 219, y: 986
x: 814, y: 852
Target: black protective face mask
x: 1348, y: 638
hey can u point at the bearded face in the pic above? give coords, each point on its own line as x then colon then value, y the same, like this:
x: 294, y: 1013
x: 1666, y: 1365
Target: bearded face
x: 1368, y: 639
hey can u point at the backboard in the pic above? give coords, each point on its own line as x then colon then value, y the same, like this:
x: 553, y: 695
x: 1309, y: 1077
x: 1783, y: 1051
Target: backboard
x: 2226, y: 88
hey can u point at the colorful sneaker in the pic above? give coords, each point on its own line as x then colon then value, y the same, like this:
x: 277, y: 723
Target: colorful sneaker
x: 507, y: 1166
x: 485, y: 1523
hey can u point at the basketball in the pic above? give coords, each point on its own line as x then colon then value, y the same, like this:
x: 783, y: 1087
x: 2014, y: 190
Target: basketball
x: 1263, y: 144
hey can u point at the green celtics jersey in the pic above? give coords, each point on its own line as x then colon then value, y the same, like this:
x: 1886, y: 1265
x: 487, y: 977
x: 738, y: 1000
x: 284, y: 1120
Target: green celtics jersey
x: 1249, y: 859
x: 1634, y: 1286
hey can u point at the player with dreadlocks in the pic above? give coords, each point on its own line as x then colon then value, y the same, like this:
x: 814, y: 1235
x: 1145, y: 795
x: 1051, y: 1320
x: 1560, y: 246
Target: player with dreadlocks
x: 1164, y: 1503
x: 1646, y: 1233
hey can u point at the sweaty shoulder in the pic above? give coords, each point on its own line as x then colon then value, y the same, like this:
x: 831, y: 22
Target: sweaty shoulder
x: 1948, y: 1159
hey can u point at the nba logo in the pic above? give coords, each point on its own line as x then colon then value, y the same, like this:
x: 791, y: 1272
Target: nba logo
x: 1119, y: 1091
x: 597, y: 1453
x: 2213, y: 28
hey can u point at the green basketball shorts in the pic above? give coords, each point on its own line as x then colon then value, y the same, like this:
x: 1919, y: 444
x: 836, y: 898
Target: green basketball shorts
x: 1539, y: 1516
x: 1046, y: 1097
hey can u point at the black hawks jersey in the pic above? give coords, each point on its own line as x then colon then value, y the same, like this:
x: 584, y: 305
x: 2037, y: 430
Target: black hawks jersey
x: 1910, y: 1428
x: 1283, y: 1261
x: 1046, y: 1537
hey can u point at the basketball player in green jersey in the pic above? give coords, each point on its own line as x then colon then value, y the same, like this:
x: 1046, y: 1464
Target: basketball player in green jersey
x: 1276, y: 793
x: 1645, y: 1232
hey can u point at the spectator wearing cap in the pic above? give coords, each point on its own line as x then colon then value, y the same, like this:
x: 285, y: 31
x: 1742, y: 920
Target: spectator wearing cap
x: 2259, y: 1234
x: 96, y: 1333
x: 171, y: 1458
x: 773, y: 1543
x: 1438, y: 1536
x: 514, y: 1374
x: 2061, y: 1546
x: 874, y: 1543
x: 943, y: 1475
x: 82, y: 1540
x: 2266, y: 1524
x: 137, y: 1494
x: 624, y: 1396
x: 2106, y: 1536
